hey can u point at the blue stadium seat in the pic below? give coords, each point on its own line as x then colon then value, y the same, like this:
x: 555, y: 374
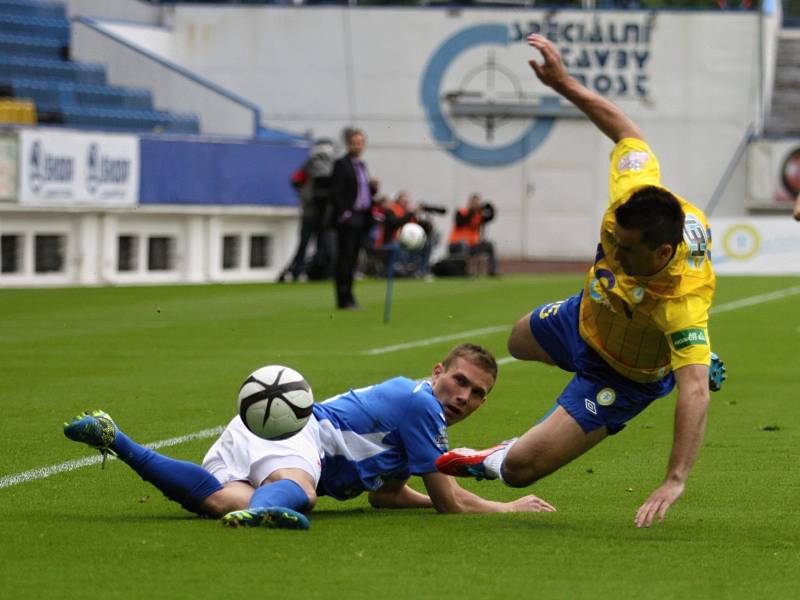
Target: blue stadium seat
x: 35, y: 68
x: 24, y: 46
x: 52, y: 95
x: 129, y: 120
x: 57, y: 29
x: 34, y: 65
x: 29, y: 8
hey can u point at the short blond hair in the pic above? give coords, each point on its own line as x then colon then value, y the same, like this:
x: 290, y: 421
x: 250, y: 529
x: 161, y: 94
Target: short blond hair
x: 477, y: 355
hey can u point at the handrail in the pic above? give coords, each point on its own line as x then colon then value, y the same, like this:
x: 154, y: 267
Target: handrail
x: 723, y: 182
x: 95, y: 25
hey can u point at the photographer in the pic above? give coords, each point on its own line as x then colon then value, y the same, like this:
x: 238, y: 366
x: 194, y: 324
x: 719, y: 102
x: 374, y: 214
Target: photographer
x: 466, y: 239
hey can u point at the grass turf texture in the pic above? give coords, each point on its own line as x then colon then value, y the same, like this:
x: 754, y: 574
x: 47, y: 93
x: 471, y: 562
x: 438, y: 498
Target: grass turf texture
x: 167, y: 361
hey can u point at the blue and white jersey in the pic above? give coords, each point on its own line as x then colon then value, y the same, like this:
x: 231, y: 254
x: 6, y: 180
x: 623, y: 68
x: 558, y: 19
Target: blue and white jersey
x: 386, y: 431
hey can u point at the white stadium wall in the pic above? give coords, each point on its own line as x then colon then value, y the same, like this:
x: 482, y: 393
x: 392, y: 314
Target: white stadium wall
x: 691, y: 80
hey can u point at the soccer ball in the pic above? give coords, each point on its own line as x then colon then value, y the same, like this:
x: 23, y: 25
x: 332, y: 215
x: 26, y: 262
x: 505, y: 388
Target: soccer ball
x: 412, y: 236
x: 275, y: 402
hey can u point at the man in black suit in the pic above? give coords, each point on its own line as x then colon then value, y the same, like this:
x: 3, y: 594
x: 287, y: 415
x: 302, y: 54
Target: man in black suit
x: 352, y: 201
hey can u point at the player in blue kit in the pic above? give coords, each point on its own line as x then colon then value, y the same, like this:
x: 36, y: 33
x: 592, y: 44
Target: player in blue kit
x: 371, y: 439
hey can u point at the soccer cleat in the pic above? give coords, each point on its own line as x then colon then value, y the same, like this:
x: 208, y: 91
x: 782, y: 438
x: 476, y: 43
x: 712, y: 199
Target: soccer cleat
x: 466, y: 462
x: 96, y: 429
x: 716, y: 373
x: 272, y: 517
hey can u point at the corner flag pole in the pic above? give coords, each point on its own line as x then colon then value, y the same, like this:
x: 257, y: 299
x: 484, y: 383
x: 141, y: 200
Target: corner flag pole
x: 387, y: 303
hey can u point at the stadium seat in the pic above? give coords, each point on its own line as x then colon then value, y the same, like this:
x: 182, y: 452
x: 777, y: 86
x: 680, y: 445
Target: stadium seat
x: 52, y: 95
x: 30, y: 8
x: 31, y: 47
x: 129, y: 120
x: 57, y: 29
x: 16, y: 112
x: 34, y: 68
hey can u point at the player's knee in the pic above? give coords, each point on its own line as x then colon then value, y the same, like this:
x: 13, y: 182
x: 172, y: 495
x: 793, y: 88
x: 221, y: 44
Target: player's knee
x: 312, y: 498
x: 225, y: 500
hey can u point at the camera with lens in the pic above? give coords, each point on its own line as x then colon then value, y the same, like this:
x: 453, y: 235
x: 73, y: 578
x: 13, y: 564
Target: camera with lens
x: 432, y: 208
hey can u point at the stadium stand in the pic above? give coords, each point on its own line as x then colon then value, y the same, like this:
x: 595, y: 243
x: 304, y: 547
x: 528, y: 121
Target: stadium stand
x: 35, y: 67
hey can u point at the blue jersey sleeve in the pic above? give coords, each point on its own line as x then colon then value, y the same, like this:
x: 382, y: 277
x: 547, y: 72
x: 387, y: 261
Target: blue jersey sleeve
x: 424, y: 433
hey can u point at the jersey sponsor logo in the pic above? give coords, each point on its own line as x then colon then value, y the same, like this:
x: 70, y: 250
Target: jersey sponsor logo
x: 606, y: 397
x: 694, y: 336
x: 632, y: 161
x: 591, y: 406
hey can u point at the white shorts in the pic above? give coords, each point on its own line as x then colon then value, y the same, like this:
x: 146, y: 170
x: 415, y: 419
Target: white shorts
x: 239, y: 455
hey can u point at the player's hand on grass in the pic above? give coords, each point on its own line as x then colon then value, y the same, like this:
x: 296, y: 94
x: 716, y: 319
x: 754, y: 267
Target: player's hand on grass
x: 551, y: 72
x: 530, y: 503
x: 658, y: 503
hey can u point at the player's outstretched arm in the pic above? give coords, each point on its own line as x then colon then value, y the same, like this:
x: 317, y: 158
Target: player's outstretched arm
x: 449, y: 497
x: 690, y: 424
x: 397, y: 494
x: 608, y: 117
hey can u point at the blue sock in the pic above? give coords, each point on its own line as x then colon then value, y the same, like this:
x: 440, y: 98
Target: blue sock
x: 184, y: 482
x: 285, y: 493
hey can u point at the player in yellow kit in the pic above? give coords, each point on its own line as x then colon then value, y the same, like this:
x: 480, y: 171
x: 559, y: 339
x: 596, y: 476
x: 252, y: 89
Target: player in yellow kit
x: 639, y: 325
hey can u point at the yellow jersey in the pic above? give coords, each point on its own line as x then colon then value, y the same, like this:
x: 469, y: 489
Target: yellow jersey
x: 644, y: 327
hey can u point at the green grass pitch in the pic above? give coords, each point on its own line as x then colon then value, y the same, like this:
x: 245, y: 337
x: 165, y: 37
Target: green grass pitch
x: 167, y: 361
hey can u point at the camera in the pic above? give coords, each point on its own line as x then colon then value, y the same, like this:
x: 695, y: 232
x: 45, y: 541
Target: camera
x: 487, y: 211
x: 432, y: 208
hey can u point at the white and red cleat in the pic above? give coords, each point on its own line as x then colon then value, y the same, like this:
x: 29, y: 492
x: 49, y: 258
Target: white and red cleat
x: 466, y: 462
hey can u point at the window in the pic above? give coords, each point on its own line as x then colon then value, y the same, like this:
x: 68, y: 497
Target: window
x: 230, y: 251
x: 127, y: 253
x: 10, y: 253
x: 260, y: 251
x: 48, y: 254
x: 160, y: 253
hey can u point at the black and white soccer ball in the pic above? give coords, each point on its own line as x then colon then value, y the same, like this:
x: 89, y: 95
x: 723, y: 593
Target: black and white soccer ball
x: 275, y: 402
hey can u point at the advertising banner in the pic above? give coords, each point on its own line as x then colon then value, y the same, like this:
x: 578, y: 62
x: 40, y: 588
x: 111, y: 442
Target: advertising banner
x: 773, y: 173
x: 219, y: 172
x: 8, y: 168
x: 62, y: 168
x: 756, y: 246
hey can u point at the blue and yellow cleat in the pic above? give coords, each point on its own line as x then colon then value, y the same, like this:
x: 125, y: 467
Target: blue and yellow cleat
x: 716, y: 373
x: 272, y: 517
x: 96, y: 429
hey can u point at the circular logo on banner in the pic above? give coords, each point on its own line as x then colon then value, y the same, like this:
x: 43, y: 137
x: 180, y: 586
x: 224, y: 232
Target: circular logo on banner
x: 790, y: 172
x: 487, y: 95
x: 606, y: 397
x: 741, y: 241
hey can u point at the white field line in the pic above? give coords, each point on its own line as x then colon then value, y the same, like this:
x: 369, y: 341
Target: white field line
x: 753, y: 300
x: 71, y: 465
x: 437, y: 339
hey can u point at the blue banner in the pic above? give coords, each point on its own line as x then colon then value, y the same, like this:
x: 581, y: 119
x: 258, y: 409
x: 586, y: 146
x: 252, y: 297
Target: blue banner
x: 218, y: 172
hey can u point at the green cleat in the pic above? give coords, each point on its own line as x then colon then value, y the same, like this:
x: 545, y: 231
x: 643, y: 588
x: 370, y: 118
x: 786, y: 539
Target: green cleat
x: 96, y: 429
x: 272, y: 517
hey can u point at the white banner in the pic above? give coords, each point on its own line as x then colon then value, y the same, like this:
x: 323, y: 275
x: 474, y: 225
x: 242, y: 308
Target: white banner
x: 773, y: 173
x: 70, y: 167
x: 8, y: 168
x: 756, y: 246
